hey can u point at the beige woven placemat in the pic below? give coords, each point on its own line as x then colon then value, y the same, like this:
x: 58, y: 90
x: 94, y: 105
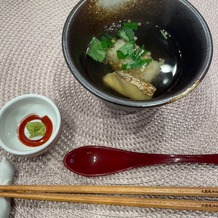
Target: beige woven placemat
x: 31, y: 61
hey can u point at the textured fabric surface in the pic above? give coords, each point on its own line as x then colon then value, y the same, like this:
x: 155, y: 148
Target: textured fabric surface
x: 31, y: 61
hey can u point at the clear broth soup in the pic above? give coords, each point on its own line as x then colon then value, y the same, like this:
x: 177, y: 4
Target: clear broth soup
x: 156, y: 40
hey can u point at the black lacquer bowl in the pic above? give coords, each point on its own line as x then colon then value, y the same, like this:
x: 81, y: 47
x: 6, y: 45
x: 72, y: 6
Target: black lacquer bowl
x: 178, y: 18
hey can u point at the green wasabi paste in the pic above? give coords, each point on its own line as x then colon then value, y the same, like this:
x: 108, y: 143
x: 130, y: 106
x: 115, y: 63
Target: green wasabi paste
x: 36, y: 129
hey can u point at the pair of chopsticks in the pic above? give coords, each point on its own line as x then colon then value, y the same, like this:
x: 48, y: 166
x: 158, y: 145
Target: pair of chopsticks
x: 76, y: 194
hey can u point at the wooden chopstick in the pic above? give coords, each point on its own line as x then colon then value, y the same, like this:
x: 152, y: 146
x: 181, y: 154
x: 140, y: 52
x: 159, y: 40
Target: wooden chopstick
x: 63, y: 193
x: 135, y: 190
x: 121, y: 201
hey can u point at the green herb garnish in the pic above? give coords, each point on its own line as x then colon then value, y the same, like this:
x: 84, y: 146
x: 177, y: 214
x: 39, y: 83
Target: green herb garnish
x: 126, y: 50
x: 126, y: 34
x: 142, y: 62
x: 136, y: 64
x: 96, y: 50
x: 36, y: 129
x: 131, y: 25
x: 107, y: 41
x: 129, y: 50
x: 164, y: 34
x: 128, y: 66
x: 139, y: 53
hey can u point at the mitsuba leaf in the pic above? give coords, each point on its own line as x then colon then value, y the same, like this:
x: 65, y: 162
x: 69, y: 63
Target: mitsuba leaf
x: 122, y: 34
x: 106, y: 41
x: 139, y: 53
x: 136, y: 64
x: 131, y: 25
x: 127, y: 66
x: 126, y: 34
x: 126, y: 50
x: 96, y: 51
x: 142, y: 62
x: 130, y: 34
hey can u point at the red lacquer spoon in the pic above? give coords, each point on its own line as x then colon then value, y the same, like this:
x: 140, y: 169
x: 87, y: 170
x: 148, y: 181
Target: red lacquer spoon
x: 98, y: 161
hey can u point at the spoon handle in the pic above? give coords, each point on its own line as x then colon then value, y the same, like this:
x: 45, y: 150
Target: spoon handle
x: 150, y: 159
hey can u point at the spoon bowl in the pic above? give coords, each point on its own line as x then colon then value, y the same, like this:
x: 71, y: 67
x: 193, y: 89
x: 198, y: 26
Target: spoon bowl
x: 93, y: 161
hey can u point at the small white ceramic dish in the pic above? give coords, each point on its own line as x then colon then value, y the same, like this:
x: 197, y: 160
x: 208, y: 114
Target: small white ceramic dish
x: 15, y: 111
x: 7, y: 171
